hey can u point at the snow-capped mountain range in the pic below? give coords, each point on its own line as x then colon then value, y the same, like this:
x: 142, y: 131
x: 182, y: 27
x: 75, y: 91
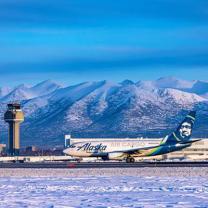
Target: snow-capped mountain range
x: 105, y: 109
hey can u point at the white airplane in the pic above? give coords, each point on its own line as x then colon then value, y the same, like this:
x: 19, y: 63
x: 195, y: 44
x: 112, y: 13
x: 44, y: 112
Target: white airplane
x: 129, y: 149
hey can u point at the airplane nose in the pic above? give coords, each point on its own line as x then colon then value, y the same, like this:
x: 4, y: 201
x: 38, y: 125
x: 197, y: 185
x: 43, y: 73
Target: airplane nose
x: 66, y: 151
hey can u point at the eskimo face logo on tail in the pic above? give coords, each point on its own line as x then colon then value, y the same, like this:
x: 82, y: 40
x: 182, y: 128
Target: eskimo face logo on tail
x: 185, y: 129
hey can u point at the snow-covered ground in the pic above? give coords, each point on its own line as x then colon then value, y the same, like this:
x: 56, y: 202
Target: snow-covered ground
x: 104, y: 191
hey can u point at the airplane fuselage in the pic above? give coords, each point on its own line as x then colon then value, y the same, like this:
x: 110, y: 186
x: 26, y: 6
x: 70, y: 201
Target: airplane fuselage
x: 118, y: 149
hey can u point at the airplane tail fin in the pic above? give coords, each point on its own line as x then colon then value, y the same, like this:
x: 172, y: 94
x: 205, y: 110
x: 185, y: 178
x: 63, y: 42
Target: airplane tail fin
x: 183, y: 133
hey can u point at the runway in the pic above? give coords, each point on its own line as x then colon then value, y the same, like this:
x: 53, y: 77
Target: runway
x: 85, y: 165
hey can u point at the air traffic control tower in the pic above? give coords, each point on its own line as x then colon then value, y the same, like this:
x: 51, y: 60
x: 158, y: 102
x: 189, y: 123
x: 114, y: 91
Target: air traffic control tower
x: 14, y: 116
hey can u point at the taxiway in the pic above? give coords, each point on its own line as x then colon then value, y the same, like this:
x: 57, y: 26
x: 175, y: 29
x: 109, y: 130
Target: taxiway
x: 74, y: 165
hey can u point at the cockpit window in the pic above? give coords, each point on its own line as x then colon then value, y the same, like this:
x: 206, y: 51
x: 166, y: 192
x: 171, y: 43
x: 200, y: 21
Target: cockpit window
x: 72, y: 146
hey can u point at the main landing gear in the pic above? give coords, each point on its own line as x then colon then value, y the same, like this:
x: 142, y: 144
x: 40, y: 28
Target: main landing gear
x: 130, y: 160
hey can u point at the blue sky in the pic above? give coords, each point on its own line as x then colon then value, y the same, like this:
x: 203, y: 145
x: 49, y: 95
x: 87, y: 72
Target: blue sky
x: 81, y: 40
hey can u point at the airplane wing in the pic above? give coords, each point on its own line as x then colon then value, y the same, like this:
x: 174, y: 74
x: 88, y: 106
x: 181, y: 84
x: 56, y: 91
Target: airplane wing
x: 133, y: 152
x: 137, y: 150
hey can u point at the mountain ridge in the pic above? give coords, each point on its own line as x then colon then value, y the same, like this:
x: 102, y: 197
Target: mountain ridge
x: 105, y: 109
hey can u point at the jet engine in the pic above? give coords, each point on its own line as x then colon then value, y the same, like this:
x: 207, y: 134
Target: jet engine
x: 115, y: 156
